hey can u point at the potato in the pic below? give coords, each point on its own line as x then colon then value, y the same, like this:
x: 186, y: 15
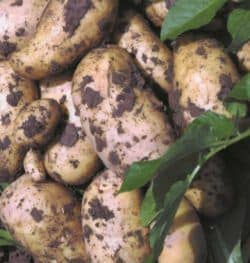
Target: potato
x: 185, y: 241
x: 66, y: 31
x: 244, y: 57
x: 18, y: 21
x: 151, y: 55
x: 72, y: 149
x: 33, y: 127
x: 211, y: 193
x: 157, y: 10
x: 203, y: 77
x: 124, y: 122
x: 45, y: 219
x: 33, y: 166
x: 111, y: 222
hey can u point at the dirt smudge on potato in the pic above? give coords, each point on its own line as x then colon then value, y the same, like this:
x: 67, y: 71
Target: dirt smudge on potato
x: 14, y: 97
x: 226, y: 85
x: 87, y: 232
x: 70, y: 135
x: 4, y: 143
x: 114, y: 158
x: 32, y: 126
x: 91, y: 97
x: 194, y: 110
x: 6, y: 48
x: 17, y: 3
x: 99, y: 211
x: 37, y: 214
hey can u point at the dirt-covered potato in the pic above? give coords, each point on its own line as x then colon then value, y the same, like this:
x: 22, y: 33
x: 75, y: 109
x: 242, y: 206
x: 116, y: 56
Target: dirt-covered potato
x: 211, y: 192
x: 111, y: 222
x: 152, y: 56
x: 156, y: 10
x: 72, y: 149
x: 244, y: 56
x: 18, y: 21
x: 66, y: 31
x: 203, y: 76
x: 45, y: 219
x: 124, y: 121
x: 185, y: 241
x: 33, y: 127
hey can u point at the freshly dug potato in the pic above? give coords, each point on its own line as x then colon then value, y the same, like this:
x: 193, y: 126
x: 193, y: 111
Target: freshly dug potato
x: 72, y: 149
x: 185, y: 241
x: 244, y: 56
x: 45, y: 219
x: 211, y: 192
x: 66, y: 31
x: 152, y: 56
x: 18, y: 21
x: 203, y: 76
x: 124, y: 122
x: 157, y: 10
x: 15, y: 93
x: 111, y: 222
x: 33, y: 166
x: 33, y: 127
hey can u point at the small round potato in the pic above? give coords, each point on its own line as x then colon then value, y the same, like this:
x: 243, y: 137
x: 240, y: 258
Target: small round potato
x: 18, y: 21
x: 66, y: 31
x: 157, y: 10
x: 72, y: 149
x: 203, y: 76
x: 111, y: 222
x: 244, y: 57
x: 33, y: 127
x: 186, y: 240
x: 152, y: 56
x: 211, y: 192
x: 45, y: 219
x: 124, y: 121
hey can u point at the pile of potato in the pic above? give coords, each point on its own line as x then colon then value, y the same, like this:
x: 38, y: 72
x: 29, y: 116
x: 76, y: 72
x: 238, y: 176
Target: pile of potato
x: 78, y: 107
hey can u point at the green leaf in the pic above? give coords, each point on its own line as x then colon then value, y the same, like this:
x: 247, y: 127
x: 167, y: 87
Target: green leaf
x: 186, y: 15
x: 6, y: 239
x: 238, y: 26
x: 237, y: 109
x: 3, y: 186
x: 241, y: 90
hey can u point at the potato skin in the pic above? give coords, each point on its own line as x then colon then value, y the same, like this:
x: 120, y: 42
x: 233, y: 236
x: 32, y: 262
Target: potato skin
x: 34, y: 127
x: 111, y: 222
x: 212, y: 193
x: 46, y: 220
x: 157, y: 10
x: 152, y: 56
x: 66, y: 31
x: 18, y: 21
x: 124, y: 122
x: 244, y: 57
x: 72, y: 149
x: 186, y: 239
x: 203, y: 76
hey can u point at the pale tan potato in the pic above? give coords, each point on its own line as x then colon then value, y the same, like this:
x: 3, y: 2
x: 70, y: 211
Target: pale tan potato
x: 244, y: 56
x: 111, y: 222
x: 152, y: 56
x: 212, y: 193
x: 124, y: 121
x: 34, y: 166
x: 203, y: 76
x: 185, y: 241
x: 45, y: 219
x: 18, y: 21
x: 34, y: 127
x: 67, y: 30
x: 72, y: 149
x: 157, y: 10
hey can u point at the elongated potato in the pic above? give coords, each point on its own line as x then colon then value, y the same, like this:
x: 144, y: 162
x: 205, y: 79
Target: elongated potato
x: 18, y: 21
x: 124, y: 122
x: 111, y: 222
x: 203, y: 76
x: 72, y: 149
x: 185, y: 241
x: 45, y: 219
x: 244, y: 56
x: 151, y: 55
x: 157, y: 10
x: 212, y: 193
x: 34, y: 127
x: 66, y: 31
